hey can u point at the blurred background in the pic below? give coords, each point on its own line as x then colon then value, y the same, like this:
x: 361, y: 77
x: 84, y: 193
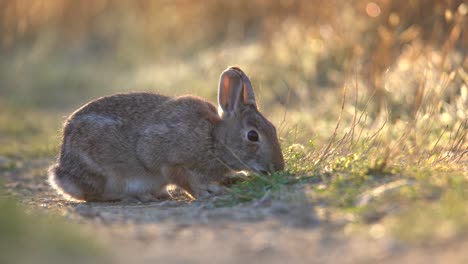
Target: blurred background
x: 56, y: 54
x: 402, y: 63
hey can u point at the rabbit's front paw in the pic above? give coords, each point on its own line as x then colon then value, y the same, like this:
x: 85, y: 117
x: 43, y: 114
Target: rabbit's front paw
x: 233, y: 179
x: 139, y: 198
x: 215, y: 189
x: 207, y: 190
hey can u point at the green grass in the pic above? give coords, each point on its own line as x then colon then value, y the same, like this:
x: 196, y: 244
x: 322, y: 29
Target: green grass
x: 36, y: 238
x: 28, y: 133
x: 255, y: 187
x: 392, y: 176
x: 433, y: 221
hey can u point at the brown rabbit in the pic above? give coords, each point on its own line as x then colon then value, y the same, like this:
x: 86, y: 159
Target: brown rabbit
x: 131, y: 146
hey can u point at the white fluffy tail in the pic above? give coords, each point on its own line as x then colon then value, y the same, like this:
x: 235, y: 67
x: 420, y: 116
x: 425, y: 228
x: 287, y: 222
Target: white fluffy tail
x: 63, y: 185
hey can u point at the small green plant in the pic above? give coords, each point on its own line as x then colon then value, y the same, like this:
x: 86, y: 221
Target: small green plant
x: 255, y: 187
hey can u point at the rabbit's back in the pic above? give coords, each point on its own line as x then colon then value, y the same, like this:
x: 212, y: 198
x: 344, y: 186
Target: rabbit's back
x: 130, y: 106
x: 180, y: 132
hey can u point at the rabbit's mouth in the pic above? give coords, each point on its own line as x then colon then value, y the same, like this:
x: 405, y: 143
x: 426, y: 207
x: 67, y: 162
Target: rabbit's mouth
x: 264, y: 172
x: 259, y: 169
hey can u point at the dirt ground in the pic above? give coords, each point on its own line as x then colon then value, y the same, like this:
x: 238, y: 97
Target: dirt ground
x: 264, y: 231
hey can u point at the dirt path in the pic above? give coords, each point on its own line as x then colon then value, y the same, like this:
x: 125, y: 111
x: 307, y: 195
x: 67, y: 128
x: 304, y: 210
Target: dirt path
x: 264, y: 231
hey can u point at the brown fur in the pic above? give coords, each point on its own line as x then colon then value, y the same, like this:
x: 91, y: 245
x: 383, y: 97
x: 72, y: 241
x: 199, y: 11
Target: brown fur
x: 133, y: 145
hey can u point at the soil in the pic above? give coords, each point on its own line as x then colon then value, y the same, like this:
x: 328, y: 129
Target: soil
x: 264, y: 231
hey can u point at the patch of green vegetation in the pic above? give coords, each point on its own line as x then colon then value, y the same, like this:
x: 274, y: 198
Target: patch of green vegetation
x: 28, y: 133
x: 436, y: 220
x: 33, y: 238
x: 256, y: 187
x: 393, y: 174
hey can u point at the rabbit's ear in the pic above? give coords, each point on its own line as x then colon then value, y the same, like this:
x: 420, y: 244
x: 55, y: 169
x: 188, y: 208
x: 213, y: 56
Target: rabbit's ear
x: 248, y: 95
x: 235, y: 90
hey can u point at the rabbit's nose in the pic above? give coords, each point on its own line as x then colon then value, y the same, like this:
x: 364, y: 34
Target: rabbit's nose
x: 277, y: 162
x: 277, y: 166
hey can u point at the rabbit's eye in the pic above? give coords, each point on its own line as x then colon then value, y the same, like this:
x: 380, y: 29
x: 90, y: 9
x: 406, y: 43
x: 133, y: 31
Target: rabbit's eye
x: 252, y: 135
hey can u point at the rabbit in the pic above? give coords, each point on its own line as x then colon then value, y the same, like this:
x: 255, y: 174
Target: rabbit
x: 131, y: 146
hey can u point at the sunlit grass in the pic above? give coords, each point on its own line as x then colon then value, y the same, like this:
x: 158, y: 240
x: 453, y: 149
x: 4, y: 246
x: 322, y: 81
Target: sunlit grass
x: 395, y: 170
